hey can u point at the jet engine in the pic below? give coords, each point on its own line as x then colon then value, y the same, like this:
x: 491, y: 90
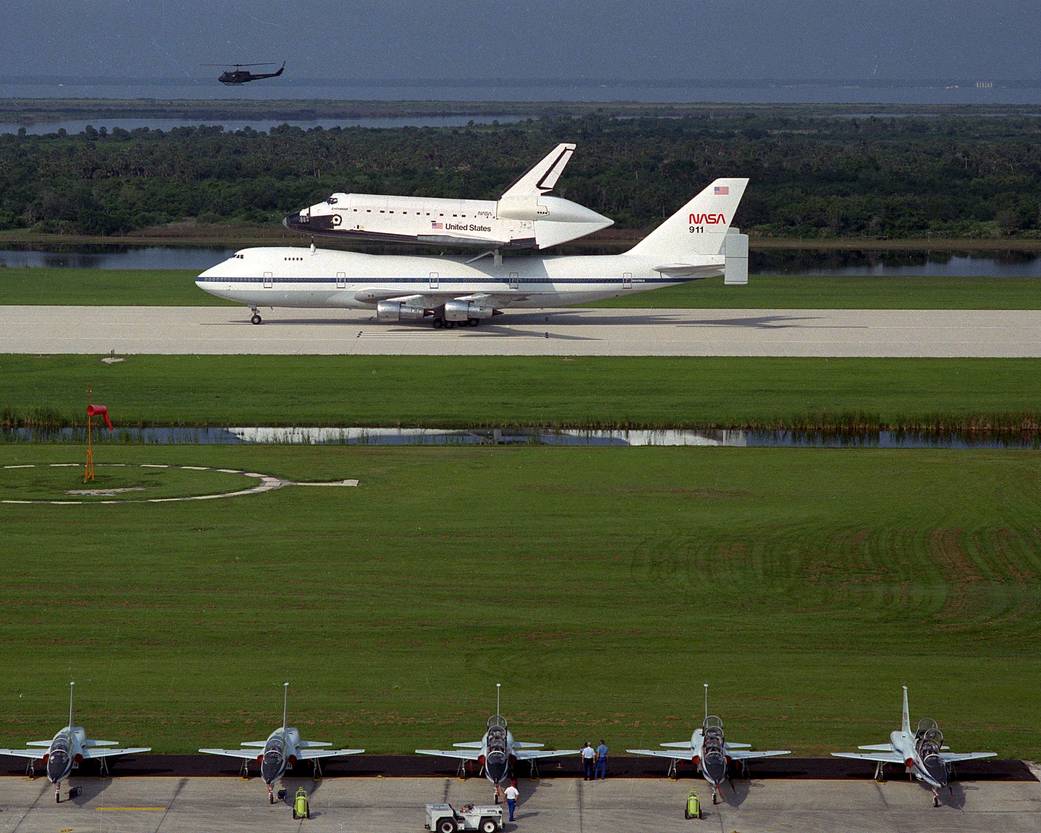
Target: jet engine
x: 399, y: 311
x: 465, y: 310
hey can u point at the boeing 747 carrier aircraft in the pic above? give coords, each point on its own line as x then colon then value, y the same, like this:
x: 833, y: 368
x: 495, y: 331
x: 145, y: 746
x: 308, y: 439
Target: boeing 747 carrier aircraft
x: 692, y: 244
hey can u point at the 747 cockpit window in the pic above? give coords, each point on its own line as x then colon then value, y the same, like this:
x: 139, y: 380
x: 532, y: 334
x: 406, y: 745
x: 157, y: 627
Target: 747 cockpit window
x: 332, y: 200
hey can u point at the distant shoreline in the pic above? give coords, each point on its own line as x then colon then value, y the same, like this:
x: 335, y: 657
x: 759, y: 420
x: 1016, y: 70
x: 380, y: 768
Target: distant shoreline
x: 29, y: 111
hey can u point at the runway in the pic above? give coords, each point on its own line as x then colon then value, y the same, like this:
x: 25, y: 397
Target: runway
x: 564, y: 805
x: 572, y: 332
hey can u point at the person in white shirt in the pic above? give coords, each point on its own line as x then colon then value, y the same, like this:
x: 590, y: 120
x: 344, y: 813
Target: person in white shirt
x: 588, y: 761
x: 512, y: 794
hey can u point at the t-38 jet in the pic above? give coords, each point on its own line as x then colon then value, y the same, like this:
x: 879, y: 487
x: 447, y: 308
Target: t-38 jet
x: 708, y: 751
x: 497, y: 751
x: 922, y: 753
x: 68, y: 749
x: 281, y: 751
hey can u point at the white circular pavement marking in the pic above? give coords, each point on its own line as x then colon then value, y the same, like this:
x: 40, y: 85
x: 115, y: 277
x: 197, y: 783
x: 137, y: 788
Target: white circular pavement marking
x: 268, y: 482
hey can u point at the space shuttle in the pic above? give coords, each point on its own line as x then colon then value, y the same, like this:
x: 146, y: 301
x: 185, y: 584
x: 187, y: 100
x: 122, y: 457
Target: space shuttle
x: 523, y: 218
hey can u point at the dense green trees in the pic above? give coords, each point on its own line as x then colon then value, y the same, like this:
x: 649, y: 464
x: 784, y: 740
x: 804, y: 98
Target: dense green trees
x: 813, y: 175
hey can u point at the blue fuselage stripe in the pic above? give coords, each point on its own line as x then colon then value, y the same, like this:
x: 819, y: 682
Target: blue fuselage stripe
x: 441, y: 280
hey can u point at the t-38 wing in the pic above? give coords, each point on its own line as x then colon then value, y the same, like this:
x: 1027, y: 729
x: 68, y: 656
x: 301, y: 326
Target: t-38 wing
x: 877, y: 757
x: 469, y: 754
x: 748, y: 754
x: 522, y: 754
x: 675, y: 751
x: 246, y: 754
x: 957, y: 757
x: 110, y: 751
x: 312, y: 754
x: 32, y: 754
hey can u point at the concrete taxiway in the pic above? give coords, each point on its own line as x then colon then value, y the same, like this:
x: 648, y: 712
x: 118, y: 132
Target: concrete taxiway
x: 575, y: 332
x: 562, y: 805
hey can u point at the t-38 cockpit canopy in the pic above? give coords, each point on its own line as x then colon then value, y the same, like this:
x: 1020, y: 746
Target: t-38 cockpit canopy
x: 712, y: 723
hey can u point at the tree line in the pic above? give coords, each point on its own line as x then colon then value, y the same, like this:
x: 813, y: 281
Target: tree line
x: 956, y: 176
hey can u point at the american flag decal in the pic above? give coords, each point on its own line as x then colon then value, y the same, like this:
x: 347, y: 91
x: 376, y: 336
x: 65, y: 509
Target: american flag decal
x: 721, y: 190
x: 436, y: 226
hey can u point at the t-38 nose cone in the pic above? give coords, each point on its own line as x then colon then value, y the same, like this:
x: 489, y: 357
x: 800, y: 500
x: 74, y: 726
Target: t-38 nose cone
x: 714, y: 765
x: 936, y: 768
x: 273, y: 765
x: 497, y: 766
x: 57, y: 765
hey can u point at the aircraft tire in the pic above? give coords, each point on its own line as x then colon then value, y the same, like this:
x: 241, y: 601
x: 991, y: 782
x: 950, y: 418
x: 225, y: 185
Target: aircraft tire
x: 439, y: 323
x: 256, y: 319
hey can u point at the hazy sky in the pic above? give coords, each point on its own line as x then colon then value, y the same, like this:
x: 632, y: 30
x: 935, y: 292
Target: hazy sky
x: 635, y: 39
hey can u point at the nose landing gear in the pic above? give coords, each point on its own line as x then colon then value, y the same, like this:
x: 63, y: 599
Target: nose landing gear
x: 256, y: 319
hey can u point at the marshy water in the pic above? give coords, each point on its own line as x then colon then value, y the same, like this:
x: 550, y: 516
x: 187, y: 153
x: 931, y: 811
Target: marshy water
x: 364, y: 436
x: 845, y: 263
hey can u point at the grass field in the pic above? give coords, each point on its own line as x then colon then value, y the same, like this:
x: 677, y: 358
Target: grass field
x: 601, y: 587
x: 90, y: 287
x: 134, y: 483
x: 507, y: 391
x: 176, y: 287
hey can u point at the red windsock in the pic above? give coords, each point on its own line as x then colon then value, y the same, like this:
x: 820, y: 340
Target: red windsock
x: 102, y: 411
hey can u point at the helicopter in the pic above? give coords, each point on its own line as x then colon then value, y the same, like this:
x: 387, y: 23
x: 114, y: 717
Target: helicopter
x: 238, y: 75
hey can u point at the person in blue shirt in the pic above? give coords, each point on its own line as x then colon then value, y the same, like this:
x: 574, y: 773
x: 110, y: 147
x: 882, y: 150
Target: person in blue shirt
x: 601, y: 761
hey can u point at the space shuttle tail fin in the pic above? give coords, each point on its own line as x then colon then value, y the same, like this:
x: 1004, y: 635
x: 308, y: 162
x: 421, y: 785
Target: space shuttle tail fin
x: 698, y: 228
x: 541, y: 179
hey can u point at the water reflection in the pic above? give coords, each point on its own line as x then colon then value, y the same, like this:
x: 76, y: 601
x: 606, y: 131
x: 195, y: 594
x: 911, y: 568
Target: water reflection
x: 845, y: 263
x: 528, y: 436
x: 1006, y: 263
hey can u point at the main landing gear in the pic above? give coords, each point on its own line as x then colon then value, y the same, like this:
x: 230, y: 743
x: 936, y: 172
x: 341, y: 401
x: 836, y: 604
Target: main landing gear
x: 256, y: 319
x: 440, y: 323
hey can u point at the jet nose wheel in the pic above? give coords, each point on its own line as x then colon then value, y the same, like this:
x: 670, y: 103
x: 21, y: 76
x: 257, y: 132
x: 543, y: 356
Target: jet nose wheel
x: 256, y: 319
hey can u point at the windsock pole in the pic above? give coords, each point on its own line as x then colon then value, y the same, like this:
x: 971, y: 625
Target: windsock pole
x: 88, y: 469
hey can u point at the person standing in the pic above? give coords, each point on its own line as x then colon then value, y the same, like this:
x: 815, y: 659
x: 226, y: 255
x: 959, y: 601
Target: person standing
x: 512, y: 794
x: 601, y: 761
x: 588, y: 761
